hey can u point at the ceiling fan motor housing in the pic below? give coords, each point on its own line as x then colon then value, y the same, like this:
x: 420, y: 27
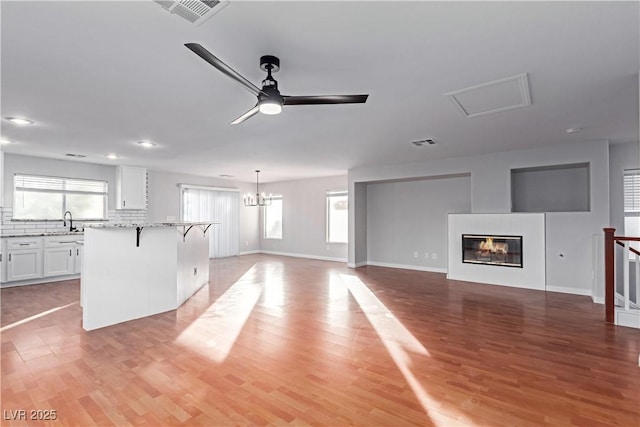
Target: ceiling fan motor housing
x: 270, y: 93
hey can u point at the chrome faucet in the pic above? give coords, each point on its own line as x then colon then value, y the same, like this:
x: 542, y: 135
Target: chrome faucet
x: 64, y: 221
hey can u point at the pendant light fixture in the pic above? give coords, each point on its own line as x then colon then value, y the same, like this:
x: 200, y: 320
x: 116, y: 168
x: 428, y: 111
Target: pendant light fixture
x: 258, y: 199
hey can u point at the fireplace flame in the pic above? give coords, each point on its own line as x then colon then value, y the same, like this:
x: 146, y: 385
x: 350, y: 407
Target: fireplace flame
x: 488, y: 246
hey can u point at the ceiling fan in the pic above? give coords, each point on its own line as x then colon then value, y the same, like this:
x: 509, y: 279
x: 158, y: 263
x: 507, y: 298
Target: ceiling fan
x: 270, y: 101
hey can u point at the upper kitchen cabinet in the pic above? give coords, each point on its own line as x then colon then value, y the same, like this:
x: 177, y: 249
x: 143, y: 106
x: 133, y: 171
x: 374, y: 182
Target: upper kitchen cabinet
x: 131, y: 187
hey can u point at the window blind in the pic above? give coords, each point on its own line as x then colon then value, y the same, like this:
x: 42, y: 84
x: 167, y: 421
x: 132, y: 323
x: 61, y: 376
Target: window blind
x: 55, y: 184
x: 632, y: 190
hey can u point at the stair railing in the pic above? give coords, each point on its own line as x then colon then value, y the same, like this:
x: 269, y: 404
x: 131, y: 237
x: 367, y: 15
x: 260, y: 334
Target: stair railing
x: 609, y: 271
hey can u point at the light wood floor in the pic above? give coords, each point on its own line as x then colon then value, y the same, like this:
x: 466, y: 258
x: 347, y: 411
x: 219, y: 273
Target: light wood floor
x: 285, y: 341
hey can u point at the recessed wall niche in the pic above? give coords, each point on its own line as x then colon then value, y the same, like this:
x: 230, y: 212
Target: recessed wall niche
x: 557, y: 188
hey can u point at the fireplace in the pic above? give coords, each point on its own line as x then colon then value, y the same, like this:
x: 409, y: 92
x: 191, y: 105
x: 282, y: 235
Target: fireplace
x: 504, y: 251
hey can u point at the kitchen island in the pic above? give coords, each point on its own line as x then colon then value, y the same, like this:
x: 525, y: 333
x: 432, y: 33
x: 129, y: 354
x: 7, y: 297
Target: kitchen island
x: 131, y: 271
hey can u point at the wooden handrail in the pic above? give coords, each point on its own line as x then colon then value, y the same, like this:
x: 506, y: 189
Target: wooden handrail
x: 627, y: 239
x: 635, y: 251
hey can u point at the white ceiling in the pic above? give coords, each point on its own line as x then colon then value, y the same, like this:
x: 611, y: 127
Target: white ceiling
x: 98, y: 76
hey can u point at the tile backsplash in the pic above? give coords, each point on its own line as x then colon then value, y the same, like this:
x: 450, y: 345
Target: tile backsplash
x: 9, y: 227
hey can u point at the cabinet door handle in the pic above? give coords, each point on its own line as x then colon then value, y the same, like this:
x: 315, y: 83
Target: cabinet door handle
x: 9, y: 257
x: 24, y: 244
x: 77, y: 251
x: 69, y: 252
x: 124, y: 203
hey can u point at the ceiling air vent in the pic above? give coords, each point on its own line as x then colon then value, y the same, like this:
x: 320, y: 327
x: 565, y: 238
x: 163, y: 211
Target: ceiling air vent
x: 77, y: 156
x: 422, y: 142
x: 194, y: 11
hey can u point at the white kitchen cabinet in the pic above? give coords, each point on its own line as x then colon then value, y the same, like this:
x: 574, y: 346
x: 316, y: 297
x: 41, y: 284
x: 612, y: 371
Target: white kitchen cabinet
x: 60, y: 255
x: 24, y: 258
x: 24, y: 264
x: 78, y: 264
x: 3, y: 264
x: 131, y: 187
x: 59, y: 261
x: 32, y: 258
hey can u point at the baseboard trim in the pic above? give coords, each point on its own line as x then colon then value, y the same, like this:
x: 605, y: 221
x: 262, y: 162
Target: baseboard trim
x: 249, y: 252
x: 294, y: 255
x: 357, y: 264
x: 407, y: 267
x: 39, y: 281
x: 564, y: 290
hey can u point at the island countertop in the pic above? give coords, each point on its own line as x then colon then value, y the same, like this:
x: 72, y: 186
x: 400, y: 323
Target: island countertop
x: 147, y: 224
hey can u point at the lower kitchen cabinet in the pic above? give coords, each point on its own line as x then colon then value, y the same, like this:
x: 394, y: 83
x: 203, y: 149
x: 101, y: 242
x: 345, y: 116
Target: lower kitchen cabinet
x: 33, y: 259
x: 79, y: 249
x: 59, y: 261
x: 24, y: 264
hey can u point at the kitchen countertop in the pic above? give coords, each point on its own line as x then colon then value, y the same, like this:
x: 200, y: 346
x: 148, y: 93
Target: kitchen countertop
x: 43, y: 234
x: 149, y: 224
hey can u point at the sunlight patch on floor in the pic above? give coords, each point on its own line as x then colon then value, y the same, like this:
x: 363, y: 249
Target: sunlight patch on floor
x: 338, y: 303
x: 216, y: 330
x: 401, y: 344
x: 35, y: 316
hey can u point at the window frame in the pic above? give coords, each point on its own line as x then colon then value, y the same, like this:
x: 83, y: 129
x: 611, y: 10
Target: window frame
x: 327, y: 227
x: 634, y: 212
x: 63, y: 192
x: 264, y: 218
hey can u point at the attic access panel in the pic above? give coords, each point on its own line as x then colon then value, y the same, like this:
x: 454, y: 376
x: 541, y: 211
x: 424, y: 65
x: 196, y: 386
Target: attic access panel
x: 493, y: 97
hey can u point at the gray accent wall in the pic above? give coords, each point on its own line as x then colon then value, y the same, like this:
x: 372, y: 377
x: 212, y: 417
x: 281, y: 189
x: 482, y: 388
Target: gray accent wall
x: 407, y: 220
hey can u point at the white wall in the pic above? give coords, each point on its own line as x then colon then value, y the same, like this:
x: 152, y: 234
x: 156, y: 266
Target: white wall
x: 568, y: 235
x: 409, y: 217
x: 303, y: 218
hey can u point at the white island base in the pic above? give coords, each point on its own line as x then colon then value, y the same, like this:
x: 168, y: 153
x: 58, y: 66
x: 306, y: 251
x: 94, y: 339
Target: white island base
x: 122, y: 281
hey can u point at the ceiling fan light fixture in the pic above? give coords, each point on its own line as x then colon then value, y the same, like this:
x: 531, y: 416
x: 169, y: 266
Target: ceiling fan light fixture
x: 270, y: 107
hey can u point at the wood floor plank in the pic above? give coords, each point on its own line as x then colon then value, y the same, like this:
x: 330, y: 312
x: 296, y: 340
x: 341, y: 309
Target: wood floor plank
x: 307, y: 353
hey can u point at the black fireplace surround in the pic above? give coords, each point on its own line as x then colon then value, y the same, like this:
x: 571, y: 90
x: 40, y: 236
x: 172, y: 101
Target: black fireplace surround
x: 503, y: 251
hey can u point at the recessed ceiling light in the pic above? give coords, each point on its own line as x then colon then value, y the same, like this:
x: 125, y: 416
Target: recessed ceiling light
x: 146, y: 144
x: 112, y: 156
x: 20, y: 121
x: 5, y: 141
x: 225, y: 175
x: 573, y: 130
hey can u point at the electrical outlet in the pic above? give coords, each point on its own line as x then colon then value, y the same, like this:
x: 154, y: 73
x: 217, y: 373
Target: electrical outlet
x: 171, y: 218
x: 246, y: 243
x: 415, y: 254
x: 328, y: 247
x: 426, y: 255
x: 434, y: 255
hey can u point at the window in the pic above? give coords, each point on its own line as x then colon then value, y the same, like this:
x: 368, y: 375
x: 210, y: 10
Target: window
x: 44, y: 197
x: 337, y: 217
x: 273, y: 219
x: 632, y: 204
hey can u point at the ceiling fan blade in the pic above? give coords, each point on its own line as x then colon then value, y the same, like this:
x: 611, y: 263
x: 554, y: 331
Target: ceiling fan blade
x: 224, y: 68
x: 246, y: 115
x: 325, y: 99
